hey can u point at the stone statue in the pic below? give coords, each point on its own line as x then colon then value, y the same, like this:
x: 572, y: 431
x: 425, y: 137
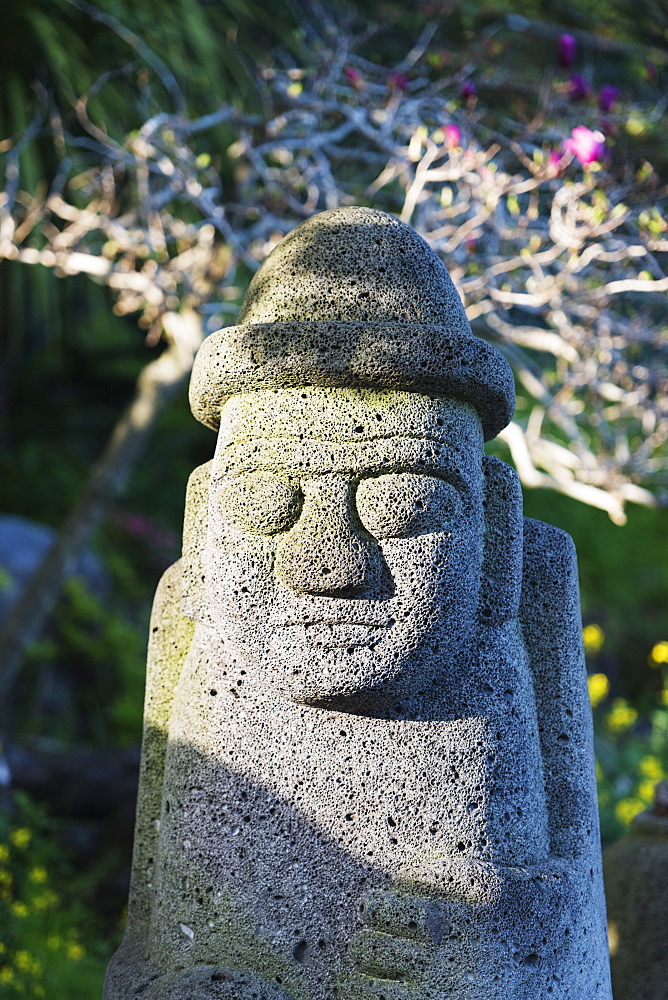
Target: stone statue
x: 635, y: 873
x: 367, y: 768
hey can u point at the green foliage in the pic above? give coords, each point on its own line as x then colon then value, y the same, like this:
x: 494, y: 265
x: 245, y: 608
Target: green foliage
x: 64, y: 46
x: 92, y: 665
x: 51, y: 946
x: 53, y: 52
x: 644, y: 22
x: 631, y: 749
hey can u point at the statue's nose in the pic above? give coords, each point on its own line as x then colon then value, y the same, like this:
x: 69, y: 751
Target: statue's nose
x: 326, y: 552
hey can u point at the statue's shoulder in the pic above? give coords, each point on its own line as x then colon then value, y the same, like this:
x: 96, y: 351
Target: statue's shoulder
x: 545, y: 539
x: 549, y: 565
x: 171, y: 633
x: 167, y: 614
x: 169, y: 589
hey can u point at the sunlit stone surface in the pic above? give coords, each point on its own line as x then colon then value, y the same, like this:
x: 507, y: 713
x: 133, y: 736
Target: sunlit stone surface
x: 367, y: 769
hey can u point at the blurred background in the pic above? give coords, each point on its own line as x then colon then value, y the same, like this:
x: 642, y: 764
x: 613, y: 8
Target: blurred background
x: 149, y: 164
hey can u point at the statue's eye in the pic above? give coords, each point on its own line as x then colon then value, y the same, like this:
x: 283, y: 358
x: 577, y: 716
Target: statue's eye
x: 405, y: 504
x: 259, y: 502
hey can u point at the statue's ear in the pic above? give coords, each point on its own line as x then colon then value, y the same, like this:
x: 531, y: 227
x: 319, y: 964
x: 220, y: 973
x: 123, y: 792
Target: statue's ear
x: 193, y: 594
x: 501, y: 583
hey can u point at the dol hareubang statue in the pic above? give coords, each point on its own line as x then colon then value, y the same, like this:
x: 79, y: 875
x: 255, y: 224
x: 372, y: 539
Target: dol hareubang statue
x: 367, y: 768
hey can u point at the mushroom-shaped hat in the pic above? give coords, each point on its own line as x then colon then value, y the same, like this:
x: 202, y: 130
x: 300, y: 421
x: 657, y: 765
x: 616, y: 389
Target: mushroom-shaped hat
x: 353, y: 297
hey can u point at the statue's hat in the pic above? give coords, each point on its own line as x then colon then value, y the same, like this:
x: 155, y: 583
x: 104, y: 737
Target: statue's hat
x: 353, y: 297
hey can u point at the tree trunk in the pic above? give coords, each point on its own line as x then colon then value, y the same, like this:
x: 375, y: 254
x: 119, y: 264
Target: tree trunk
x: 156, y: 385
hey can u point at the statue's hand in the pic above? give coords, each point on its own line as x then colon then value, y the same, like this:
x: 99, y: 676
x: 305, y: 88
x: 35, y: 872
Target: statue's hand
x: 213, y: 982
x: 470, y: 929
x: 395, y: 952
x: 414, y: 929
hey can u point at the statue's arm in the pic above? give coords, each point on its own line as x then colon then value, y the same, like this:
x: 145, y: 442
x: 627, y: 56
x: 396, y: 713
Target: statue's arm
x: 179, y: 594
x: 552, y: 628
x: 170, y: 638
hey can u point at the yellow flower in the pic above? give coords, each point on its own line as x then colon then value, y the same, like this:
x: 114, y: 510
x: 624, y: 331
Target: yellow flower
x: 650, y: 767
x: 45, y: 900
x: 621, y: 716
x: 22, y: 960
x: 54, y: 941
x: 626, y: 809
x: 25, y: 962
x: 646, y: 790
x: 75, y: 951
x: 19, y: 909
x: 593, y: 638
x: 38, y: 874
x: 4, y: 852
x: 20, y: 838
x: 599, y: 686
x: 5, y: 877
x: 658, y: 654
x: 6, y: 974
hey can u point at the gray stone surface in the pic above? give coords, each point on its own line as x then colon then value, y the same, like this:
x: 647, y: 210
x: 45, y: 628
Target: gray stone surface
x: 367, y: 769
x: 636, y: 888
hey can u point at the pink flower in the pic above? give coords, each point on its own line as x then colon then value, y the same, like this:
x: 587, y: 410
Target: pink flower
x: 607, y: 96
x: 578, y: 88
x: 353, y: 76
x: 585, y: 145
x: 136, y: 524
x: 397, y: 81
x: 453, y: 135
x: 567, y: 49
x: 555, y: 163
x: 467, y: 90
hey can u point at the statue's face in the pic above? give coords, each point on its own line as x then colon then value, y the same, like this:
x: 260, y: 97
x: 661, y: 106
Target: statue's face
x: 345, y: 539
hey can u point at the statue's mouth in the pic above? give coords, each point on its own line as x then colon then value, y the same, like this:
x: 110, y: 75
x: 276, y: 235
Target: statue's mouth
x: 317, y: 622
x: 337, y: 634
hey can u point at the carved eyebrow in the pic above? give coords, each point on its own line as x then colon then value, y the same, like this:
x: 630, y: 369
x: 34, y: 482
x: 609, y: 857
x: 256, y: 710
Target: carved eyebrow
x: 449, y: 475
x: 264, y: 453
x: 239, y: 439
x: 279, y: 465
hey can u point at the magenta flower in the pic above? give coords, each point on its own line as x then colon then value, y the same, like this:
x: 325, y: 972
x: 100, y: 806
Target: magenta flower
x: 567, y: 49
x: 555, y: 162
x: 607, y: 96
x: 467, y: 90
x: 353, y: 76
x: 136, y: 524
x: 585, y: 145
x: 453, y: 134
x: 578, y: 88
x: 397, y: 81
